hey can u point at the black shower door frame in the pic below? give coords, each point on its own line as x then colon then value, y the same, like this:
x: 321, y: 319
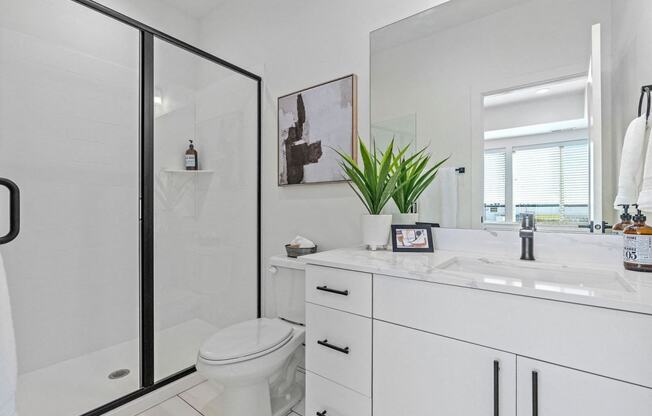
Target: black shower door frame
x: 146, y: 130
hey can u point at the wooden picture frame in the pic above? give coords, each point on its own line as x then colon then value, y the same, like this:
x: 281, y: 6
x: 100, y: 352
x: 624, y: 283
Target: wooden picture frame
x: 312, y: 122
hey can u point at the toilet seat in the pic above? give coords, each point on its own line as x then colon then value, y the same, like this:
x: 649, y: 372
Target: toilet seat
x: 245, y: 341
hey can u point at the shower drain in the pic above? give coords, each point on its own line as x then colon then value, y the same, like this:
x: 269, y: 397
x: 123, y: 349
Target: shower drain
x: 123, y: 372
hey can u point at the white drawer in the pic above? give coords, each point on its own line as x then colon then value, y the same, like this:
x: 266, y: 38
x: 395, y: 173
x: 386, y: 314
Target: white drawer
x: 338, y: 347
x: 339, y: 289
x: 325, y: 397
x: 602, y: 341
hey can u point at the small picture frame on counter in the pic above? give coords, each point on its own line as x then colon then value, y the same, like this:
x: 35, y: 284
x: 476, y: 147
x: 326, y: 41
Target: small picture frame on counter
x: 412, y: 238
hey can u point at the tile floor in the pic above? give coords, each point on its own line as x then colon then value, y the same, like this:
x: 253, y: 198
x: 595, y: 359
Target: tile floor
x: 196, y: 401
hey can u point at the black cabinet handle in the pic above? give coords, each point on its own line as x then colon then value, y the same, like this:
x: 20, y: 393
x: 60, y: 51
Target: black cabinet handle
x: 535, y: 393
x: 14, y: 210
x: 329, y: 290
x: 322, y: 413
x: 496, y: 388
x: 325, y: 343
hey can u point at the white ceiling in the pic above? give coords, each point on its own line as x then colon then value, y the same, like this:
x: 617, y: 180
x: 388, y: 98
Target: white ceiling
x: 194, y: 8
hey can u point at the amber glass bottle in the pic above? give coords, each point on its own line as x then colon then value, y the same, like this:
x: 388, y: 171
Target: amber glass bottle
x: 625, y: 220
x: 637, y: 251
x: 191, y: 157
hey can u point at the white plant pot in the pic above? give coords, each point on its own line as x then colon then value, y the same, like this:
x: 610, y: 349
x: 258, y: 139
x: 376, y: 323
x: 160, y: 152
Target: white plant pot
x: 375, y: 230
x: 405, y: 219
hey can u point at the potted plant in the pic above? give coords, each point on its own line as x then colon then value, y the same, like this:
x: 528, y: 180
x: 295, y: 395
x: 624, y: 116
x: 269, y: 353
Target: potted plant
x: 413, y: 177
x: 374, y: 183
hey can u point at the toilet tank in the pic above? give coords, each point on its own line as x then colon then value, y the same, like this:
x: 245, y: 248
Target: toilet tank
x: 286, y: 289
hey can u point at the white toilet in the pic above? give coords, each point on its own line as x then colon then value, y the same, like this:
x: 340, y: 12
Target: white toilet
x: 255, y: 362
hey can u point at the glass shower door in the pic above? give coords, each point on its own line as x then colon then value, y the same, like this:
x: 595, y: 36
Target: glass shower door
x: 69, y: 138
x: 205, y: 220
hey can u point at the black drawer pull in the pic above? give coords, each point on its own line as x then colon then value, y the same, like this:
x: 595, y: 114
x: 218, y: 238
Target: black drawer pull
x: 496, y: 388
x: 329, y: 290
x: 322, y: 413
x: 535, y: 393
x: 325, y: 343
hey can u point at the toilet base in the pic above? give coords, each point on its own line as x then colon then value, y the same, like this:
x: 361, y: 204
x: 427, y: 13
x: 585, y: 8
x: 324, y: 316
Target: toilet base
x: 252, y: 399
x: 282, y: 406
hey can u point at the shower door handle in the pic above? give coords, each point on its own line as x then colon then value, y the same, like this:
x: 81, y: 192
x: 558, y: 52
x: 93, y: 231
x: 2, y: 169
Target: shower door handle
x: 14, y: 210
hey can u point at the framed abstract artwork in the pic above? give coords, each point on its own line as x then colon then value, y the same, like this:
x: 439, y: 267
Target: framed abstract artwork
x: 312, y: 123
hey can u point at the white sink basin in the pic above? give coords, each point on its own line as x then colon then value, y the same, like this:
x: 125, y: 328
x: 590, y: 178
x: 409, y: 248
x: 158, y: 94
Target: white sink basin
x: 541, y: 276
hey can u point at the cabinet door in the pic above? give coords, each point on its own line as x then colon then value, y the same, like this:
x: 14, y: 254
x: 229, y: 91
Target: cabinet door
x: 550, y: 390
x: 418, y: 373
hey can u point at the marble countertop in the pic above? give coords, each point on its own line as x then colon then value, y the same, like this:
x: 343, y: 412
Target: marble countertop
x: 629, y: 291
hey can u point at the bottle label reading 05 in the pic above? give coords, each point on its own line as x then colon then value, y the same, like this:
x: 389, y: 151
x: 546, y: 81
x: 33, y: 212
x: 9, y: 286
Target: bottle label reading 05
x: 638, y: 249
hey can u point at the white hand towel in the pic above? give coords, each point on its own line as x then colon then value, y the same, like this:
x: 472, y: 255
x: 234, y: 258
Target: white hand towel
x: 438, y: 203
x: 301, y: 242
x: 631, y: 163
x: 645, y: 197
x: 7, y: 350
x: 447, y: 184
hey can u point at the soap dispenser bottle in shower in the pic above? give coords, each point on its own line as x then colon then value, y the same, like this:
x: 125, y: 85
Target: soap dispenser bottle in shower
x: 191, y: 157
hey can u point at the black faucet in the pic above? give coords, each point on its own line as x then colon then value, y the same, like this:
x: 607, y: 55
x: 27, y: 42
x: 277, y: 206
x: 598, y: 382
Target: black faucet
x: 527, y: 236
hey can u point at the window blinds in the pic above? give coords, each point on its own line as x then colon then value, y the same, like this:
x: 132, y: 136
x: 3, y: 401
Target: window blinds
x: 551, y: 181
x: 494, y: 178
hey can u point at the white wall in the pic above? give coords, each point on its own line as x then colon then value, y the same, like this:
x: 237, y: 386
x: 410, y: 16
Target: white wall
x: 294, y: 44
x: 569, y: 106
x: 632, y: 65
x: 159, y: 15
x: 438, y: 76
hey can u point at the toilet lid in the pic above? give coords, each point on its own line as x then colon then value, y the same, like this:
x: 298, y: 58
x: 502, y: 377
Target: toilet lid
x: 245, y: 339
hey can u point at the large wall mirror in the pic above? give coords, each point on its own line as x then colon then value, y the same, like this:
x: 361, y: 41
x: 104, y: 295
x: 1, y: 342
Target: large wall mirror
x: 530, y: 98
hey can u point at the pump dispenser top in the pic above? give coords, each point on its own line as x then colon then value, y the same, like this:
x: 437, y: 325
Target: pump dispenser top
x: 637, y: 247
x: 625, y: 219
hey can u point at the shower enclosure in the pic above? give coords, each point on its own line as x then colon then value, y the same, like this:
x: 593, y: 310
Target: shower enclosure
x: 124, y: 261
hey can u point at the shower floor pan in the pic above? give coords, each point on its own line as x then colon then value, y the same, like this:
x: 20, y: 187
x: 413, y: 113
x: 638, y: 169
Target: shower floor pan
x: 75, y: 386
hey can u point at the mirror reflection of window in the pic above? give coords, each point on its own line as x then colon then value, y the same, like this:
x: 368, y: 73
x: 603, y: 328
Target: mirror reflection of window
x: 536, y: 156
x: 495, y: 162
x: 552, y: 181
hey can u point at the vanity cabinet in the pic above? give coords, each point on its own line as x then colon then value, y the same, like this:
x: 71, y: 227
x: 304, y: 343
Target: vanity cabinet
x: 338, y: 345
x: 338, y: 342
x: 391, y: 345
x: 417, y: 373
x: 550, y: 390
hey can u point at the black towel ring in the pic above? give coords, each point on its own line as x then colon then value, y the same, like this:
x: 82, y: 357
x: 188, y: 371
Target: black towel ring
x: 645, y: 91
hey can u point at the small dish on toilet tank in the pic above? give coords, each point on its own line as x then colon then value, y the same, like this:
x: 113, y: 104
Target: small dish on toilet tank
x: 295, y: 252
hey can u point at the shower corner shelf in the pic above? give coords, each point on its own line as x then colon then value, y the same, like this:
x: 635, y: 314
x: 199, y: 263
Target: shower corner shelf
x: 186, y: 172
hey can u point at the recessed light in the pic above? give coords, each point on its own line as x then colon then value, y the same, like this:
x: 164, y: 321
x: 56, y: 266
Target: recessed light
x: 158, y: 99
x: 543, y: 91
